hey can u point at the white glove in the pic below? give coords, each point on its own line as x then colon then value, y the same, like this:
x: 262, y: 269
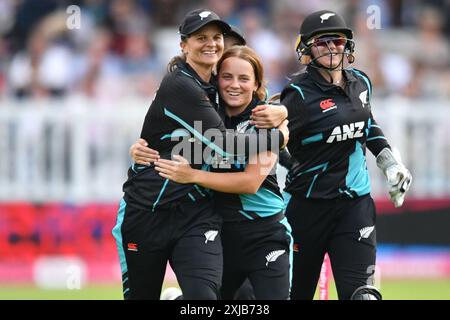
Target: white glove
x: 398, y: 177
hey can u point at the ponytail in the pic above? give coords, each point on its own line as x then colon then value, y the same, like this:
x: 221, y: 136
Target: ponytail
x: 172, y: 65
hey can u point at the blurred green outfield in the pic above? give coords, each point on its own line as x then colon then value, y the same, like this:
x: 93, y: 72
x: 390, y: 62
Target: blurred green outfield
x: 392, y: 290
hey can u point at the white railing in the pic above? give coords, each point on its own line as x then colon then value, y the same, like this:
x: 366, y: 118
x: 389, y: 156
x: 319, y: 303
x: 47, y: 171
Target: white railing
x: 77, y: 149
x: 421, y: 131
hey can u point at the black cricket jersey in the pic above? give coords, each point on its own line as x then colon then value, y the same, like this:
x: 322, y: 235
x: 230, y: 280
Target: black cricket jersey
x: 267, y: 201
x: 178, y: 122
x: 330, y: 128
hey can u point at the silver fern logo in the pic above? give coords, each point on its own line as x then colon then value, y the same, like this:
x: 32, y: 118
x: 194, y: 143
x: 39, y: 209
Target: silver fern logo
x: 364, y: 98
x: 242, y: 127
x: 365, y: 232
x: 204, y: 14
x: 273, y: 256
x: 326, y: 16
x: 211, y: 235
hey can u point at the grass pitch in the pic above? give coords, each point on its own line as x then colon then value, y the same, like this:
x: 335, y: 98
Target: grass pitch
x: 436, y: 289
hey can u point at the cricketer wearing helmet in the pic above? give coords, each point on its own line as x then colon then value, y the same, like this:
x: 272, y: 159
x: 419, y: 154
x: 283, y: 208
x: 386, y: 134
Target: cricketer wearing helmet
x: 331, y: 125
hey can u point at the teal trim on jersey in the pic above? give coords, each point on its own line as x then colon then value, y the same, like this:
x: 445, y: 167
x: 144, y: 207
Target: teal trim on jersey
x: 376, y: 126
x: 288, y: 227
x: 311, y: 185
x: 176, y: 134
x: 126, y: 290
x: 166, y: 136
x: 369, y: 125
x: 191, y: 76
x: 322, y: 166
x: 299, y: 90
x: 264, y: 202
x: 377, y: 137
x: 139, y: 167
x: 365, y: 79
x: 191, y: 196
x: 314, y: 138
x: 199, y: 191
x: 357, y: 178
x: 287, y: 197
x: 125, y: 280
x: 246, y: 215
x: 197, y: 134
x: 346, y: 192
x: 240, y: 161
x: 160, y: 194
x: 117, y: 234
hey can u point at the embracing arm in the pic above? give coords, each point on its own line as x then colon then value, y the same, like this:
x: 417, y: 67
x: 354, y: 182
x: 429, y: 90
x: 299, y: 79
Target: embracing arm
x: 268, y: 116
x: 142, y: 154
x: 246, y: 182
x: 194, y: 112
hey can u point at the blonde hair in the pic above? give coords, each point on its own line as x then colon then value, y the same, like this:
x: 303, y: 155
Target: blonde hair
x: 249, y: 55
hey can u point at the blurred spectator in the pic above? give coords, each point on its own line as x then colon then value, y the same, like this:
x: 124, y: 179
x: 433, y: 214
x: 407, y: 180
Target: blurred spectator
x: 370, y: 57
x: 28, y: 14
x: 168, y: 13
x: 44, y: 68
x: 140, y: 65
x: 3, y: 66
x: 433, y: 48
x: 266, y: 43
x: 431, y: 57
x: 125, y: 17
x: 226, y: 9
x: 123, y: 46
x: 99, y: 66
x: 97, y: 10
x: 6, y: 16
x: 24, y: 69
x: 398, y: 73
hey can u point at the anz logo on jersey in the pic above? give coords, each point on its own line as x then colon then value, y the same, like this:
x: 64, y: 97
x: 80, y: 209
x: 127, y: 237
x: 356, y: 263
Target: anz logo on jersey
x: 347, y: 131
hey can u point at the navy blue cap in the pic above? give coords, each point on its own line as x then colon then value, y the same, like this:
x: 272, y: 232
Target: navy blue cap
x: 238, y: 34
x: 197, y: 19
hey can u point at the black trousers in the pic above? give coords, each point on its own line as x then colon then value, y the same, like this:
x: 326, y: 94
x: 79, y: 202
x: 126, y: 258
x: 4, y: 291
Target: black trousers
x: 186, y: 233
x: 343, y: 228
x: 259, y: 250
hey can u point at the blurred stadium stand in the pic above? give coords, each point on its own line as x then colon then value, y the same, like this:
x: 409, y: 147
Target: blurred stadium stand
x: 73, y: 101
